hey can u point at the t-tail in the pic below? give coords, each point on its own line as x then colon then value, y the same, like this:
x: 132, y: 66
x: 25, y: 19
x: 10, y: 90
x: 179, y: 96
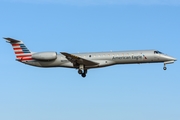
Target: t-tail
x: 21, y: 51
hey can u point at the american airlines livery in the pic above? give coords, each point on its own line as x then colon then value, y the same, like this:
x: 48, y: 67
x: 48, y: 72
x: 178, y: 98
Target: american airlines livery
x: 85, y: 61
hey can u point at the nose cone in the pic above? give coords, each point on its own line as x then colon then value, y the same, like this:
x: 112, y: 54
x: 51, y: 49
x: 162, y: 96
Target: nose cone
x: 175, y: 59
x: 169, y: 58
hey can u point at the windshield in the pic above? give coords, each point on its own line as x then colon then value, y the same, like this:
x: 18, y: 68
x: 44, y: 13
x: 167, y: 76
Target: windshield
x: 157, y: 52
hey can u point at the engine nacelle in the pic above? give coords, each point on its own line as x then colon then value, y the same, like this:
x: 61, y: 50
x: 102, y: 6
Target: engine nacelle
x: 45, y: 56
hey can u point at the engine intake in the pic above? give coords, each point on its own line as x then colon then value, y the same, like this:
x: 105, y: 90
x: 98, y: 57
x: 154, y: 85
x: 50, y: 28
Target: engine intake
x: 45, y: 56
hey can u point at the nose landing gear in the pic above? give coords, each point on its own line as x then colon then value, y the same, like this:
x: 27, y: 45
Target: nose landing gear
x: 167, y: 62
x: 165, y: 68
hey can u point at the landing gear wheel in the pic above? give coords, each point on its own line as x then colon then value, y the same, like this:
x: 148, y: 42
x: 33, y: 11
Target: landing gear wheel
x: 165, y: 68
x: 83, y: 75
x: 80, y: 71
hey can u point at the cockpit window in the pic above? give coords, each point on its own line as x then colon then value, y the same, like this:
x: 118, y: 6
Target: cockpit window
x: 157, y: 52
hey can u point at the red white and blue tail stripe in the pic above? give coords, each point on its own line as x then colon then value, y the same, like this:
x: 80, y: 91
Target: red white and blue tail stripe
x: 21, y: 51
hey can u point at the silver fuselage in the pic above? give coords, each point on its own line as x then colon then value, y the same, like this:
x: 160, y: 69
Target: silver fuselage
x: 108, y: 58
x: 85, y: 61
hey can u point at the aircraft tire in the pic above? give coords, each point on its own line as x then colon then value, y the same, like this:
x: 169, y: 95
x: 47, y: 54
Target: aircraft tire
x: 83, y: 75
x: 80, y: 71
x: 165, y: 68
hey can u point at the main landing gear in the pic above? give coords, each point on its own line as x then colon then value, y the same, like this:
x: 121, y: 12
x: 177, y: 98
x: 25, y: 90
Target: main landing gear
x: 82, y: 71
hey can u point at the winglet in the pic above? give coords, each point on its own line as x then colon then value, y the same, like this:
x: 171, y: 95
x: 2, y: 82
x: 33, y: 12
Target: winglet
x: 11, y: 40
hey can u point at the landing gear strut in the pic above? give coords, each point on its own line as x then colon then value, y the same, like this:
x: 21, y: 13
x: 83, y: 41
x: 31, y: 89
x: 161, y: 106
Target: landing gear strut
x: 165, y: 68
x: 82, y: 71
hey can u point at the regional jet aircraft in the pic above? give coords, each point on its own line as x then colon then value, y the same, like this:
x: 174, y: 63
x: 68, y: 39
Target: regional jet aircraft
x: 85, y: 61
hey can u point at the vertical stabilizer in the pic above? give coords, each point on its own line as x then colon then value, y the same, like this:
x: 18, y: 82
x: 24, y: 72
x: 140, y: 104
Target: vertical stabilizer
x: 21, y: 51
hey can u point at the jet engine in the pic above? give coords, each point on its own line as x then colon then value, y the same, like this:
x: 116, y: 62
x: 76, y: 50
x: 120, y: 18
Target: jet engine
x: 45, y: 56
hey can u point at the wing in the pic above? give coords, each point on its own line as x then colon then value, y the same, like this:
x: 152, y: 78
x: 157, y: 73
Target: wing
x: 78, y: 60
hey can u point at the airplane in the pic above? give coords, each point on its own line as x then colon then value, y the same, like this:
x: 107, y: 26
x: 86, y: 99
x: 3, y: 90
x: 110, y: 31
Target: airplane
x: 85, y: 61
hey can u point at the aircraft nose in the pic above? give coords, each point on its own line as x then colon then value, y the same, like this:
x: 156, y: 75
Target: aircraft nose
x: 168, y: 58
x: 175, y: 59
x: 172, y: 58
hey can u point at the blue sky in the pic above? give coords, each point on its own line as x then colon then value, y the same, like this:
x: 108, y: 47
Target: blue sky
x: 122, y: 92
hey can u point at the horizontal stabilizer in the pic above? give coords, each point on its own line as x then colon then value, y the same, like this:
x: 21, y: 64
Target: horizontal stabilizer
x: 11, y: 40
